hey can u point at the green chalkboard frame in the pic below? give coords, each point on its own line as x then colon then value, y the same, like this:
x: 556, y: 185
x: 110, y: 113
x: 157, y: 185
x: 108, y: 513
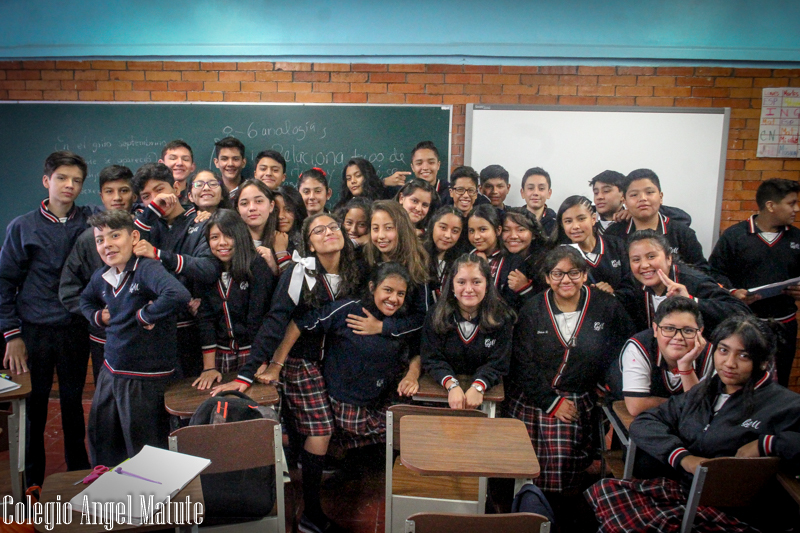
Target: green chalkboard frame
x: 132, y: 133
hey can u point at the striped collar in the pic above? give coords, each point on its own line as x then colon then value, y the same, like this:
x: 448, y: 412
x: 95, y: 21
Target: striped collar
x: 44, y: 209
x: 753, y: 229
x: 126, y: 274
x: 661, y: 227
x: 552, y: 310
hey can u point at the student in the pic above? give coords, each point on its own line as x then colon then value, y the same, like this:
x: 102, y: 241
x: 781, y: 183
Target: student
x: 329, y: 272
x: 115, y: 193
x: 270, y: 168
x: 524, y: 237
x: 606, y: 255
x: 207, y: 192
x: 232, y: 309
x: 229, y: 158
x: 738, y: 412
x: 291, y: 214
x: 464, y: 190
x: 765, y: 249
x: 468, y: 332
x: 40, y: 334
x: 256, y: 205
x: 494, y: 185
x: 359, y: 179
x: 669, y: 358
x: 179, y: 158
x: 657, y: 275
x: 564, y: 341
x: 643, y: 199
x: 536, y: 190
x: 425, y: 165
x: 417, y: 197
x: 169, y: 233
x: 483, y: 231
x: 136, y: 300
x: 355, y: 217
x: 313, y: 187
x: 443, y: 244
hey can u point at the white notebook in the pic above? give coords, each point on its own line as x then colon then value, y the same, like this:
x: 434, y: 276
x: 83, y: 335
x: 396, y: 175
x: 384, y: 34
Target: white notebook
x: 6, y: 385
x: 174, y: 470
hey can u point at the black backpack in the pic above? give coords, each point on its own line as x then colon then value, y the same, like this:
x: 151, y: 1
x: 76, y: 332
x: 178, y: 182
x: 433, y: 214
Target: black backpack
x: 244, y: 494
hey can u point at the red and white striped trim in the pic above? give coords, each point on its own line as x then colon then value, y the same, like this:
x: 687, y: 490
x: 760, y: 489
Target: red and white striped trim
x: 12, y: 333
x: 141, y: 319
x: 179, y: 267
x: 769, y: 441
x: 481, y: 383
x: 156, y: 209
x: 161, y: 374
x: 674, y: 455
x: 752, y: 228
x: 95, y: 338
x: 186, y: 324
x: 446, y: 378
x: 764, y: 379
x: 555, y: 405
x: 97, y: 316
x: 600, y: 243
x: 47, y: 214
x: 142, y: 226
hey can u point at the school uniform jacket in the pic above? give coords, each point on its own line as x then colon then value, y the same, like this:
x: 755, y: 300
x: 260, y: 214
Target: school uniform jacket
x: 358, y: 369
x: 686, y: 425
x: 502, y: 264
x: 611, y: 261
x: 231, y: 316
x: 747, y: 260
x: 484, y: 355
x: 675, y: 214
x: 549, y: 221
x: 147, y: 294
x: 543, y: 362
x: 715, y: 303
x: 645, y: 345
x: 35, y: 248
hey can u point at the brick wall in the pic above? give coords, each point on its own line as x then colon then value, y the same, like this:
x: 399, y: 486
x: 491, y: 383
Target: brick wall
x: 737, y: 88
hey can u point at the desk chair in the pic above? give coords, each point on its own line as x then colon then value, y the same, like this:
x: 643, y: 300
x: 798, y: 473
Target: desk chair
x: 727, y: 482
x: 407, y: 492
x: 237, y: 446
x: 507, y: 523
x: 617, y: 414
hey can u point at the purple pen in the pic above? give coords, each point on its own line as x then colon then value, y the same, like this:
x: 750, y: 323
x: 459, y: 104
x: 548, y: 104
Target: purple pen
x: 119, y: 470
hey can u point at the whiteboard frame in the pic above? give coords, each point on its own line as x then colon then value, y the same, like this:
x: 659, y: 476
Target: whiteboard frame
x: 723, y: 152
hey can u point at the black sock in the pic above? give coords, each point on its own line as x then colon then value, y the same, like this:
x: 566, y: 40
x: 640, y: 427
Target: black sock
x: 312, y: 479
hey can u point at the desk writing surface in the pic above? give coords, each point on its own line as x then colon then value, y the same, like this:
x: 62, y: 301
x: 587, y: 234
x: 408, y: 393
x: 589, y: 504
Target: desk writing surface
x: 429, y: 388
x: 181, y: 399
x: 459, y: 446
x: 63, y: 484
x: 24, y: 389
x: 622, y: 412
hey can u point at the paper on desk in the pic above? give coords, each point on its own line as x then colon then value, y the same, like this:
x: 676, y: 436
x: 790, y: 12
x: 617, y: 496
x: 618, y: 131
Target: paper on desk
x: 774, y: 289
x: 6, y: 385
x: 174, y: 470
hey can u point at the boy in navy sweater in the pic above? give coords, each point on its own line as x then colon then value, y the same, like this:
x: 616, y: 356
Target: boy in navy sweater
x: 178, y: 156
x: 40, y: 333
x: 136, y: 301
x: 83, y: 260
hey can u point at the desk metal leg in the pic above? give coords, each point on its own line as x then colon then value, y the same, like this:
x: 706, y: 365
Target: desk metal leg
x: 629, y: 460
x: 16, y: 447
x: 489, y: 408
x: 482, y: 482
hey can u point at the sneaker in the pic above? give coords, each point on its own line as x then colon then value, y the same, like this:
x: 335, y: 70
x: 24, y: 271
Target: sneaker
x: 325, y: 525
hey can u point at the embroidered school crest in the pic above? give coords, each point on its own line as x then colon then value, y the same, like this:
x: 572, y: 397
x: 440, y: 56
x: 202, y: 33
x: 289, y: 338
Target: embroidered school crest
x: 598, y: 326
x: 134, y: 288
x: 243, y: 285
x: 489, y: 343
x: 616, y: 263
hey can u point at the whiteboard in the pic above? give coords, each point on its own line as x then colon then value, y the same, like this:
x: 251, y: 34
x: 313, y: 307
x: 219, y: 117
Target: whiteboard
x: 686, y: 148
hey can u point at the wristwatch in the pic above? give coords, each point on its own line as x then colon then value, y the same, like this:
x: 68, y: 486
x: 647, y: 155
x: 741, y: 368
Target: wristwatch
x: 478, y: 387
x: 453, y: 384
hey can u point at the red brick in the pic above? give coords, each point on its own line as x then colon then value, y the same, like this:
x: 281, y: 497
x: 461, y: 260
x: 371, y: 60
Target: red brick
x: 368, y: 87
x: 672, y: 91
x: 331, y: 87
x: 114, y: 86
x: 459, y: 99
x: 764, y: 164
x: 445, y: 89
x: 650, y: 101
x: 238, y: 75
x: 713, y: 71
x: 500, y: 79
x: 126, y: 75
x: 260, y: 86
x: 566, y: 90
x: 368, y: 67
x: 203, y: 96
x: 198, y: 75
x: 407, y: 68
x: 424, y: 99
x: 693, y: 102
x: 481, y: 69
x: 164, y: 75
x: 69, y: 85
x: 731, y: 206
x: 181, y: 65
x: 746, y: 113
x: 38, y: 65
x: 634, y: 91
x: 746, y: 93
x: 695, y: 81
x: 60, y: 95
x: 388, y: 77
x: 443, y: 68
x: 150, y: 86
x: 24, y: 95
x: 577, y: 100
x: 603, y: 71
x: 598, y: 90
x: 734, y: 82
x: 538, y: 100
x: 283, y: 65
x: 709, y: 92
x: 131, y: 95
x: 499, y: 99
x: 558, y: 70
x: 513, y: 69
x: 789, y: 73
x: 616, y: 80
x: 109, y: 65
x: 57, y: 74
x: 520, y: 89
x: 91, y: 75
x: 274, y: 76
x: 222, y: 86
x: 145, y: 65
x: 661, y: 81
x: 463, y: 78
x: 483, y: 89
x: 315, y: 98
x: 294, y: 87
x: 636, y: 71
x: 43, y: 85
x: 277, y: 97
x: 781, y: 174
x: 386, y: 98
x: 350, y: 98
x: 185, y: 86
x: 217, y: 65
x: 731, y: 102
x: 406, y: 88
x: 735, y: 165
x: 425, y: 78
x: 241, y: 97
x: 674, y: 71
x: 349, y: 77
x: 742, y: 175
x: 577, y: 80
x: 168, y: 96
x: 24, y: 75
x: 11, y: 65
x: 770, y: 82
x: 74, y: 65
x: 753, y: 72
x: 255, y: 65
x: 539, y: 79
x: 311, y: 76
x: 792, y: 165
x: 98, y: 95
x: 335, y: 67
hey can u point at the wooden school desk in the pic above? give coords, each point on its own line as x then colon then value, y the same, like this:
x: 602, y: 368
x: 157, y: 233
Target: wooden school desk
x: 181, y: 399
x: 16, y: 431
x: 431, y: 391
x: 63, y: 484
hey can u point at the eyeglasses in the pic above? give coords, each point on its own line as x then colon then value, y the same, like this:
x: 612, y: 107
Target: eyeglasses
x: 321, y: 229
x: 670, y: 331
x: 558, y: 275
x: 212, y: 184
x: 461, y: 190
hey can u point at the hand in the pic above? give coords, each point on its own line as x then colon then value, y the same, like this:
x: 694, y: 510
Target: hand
x: 201, y: 217
x: 673, y: 289
x: 685, y: 362
x: 368, y: 325
x: 408, y: 386
x: 206, y: 379
x: 517, y: 280
x: 363, y: 240
x: 16, y: 358
x: 398, y: 178
x: 473, y: 399
x: 266, y: 253
x: 623, y: 215
x: 262, y: 369
x: 233, y: 385
x: 456, y: 398
x: 281, y: 242
x: 793, y: 291
x: 567, y: 412
x: 144, y: 249
x: 481, y: 254
x: 105, y: 317
x: 270, y: 374
x: 745, y: 296
x: 603, y: 286
x: 193, y: 306
x: 166, y: 201
x: 749, y: 450
x: 691, y: 462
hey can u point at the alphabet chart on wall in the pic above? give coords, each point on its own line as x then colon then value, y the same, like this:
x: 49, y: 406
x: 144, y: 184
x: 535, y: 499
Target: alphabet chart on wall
x: 780, y: 122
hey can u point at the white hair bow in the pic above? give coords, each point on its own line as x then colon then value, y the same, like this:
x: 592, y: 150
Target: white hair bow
x: 300, y: 271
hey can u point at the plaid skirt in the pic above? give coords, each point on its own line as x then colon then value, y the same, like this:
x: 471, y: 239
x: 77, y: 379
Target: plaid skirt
x: 307, y: 397
x: 563, y: 450
x: 358, y: 425
x: 228, y: 360
x: 653, y: 505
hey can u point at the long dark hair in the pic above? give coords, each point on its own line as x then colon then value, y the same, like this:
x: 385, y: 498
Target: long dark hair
x: 350, y: 271
x: 571, y: 202
x: 409, y: 251
x: 294, y: 203
x: 379, y: 274
x: 493, y: 312
x: 267, y: 236
x: 372, y: 187
x: 430, y: 247
x: 490, y: 215
x: 244, y: 252
x: 416, y: 184
x: 224, y: 202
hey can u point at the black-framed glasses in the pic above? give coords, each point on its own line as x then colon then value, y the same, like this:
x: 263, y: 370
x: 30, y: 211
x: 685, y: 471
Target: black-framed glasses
x: 321, y: 229
x: 461, y: 190
x: 671, y: 331
x: 212, y: 184
x: 558, y: 275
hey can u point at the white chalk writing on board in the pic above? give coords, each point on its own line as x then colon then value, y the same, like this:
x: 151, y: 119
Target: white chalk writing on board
x: 779, y: 129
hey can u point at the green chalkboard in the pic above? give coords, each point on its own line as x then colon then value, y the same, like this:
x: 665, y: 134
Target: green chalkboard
x: 324, y: 136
